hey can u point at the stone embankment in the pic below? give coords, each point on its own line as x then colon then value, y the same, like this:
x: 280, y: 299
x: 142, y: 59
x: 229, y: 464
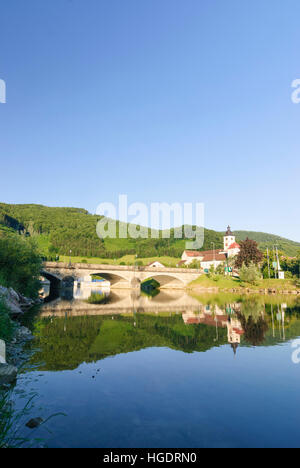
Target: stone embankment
x: 11, y: 355
x: 267, y: 291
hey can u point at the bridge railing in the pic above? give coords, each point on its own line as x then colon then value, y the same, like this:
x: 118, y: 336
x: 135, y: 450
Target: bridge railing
x: 103, y: 267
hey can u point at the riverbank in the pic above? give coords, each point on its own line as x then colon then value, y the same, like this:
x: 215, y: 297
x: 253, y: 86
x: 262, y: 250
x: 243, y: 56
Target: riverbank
x: 234, y: 285
x: 13, y: 335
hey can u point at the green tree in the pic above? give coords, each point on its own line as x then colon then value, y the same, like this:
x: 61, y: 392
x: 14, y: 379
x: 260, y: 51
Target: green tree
x: 250, y: 274
x: 20, y: 264
x: 195, y: 264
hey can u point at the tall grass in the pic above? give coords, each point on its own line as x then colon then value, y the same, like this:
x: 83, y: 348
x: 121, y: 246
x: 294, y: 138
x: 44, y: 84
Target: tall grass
x: 12, y: 421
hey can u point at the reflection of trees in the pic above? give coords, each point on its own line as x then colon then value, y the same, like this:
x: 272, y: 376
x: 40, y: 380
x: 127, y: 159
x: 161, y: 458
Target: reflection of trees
x: 66, y: 343
x: 252, y: 307
x: 254, y: 328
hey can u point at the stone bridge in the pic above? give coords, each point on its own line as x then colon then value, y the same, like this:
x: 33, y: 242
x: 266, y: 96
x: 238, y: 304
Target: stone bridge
x: 120, y: 277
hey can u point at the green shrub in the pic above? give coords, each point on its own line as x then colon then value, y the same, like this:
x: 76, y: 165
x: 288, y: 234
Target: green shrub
x: 195, y: 264
x: 220, y: 270
x: 288, y: 275
x: 250, y: 274
x: 20, y: 264
x: 6, y: 324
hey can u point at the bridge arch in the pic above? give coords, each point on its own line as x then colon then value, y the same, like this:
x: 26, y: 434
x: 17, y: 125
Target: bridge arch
x: 166, y: 279
x: 52, y: 277
x: 113, y: 278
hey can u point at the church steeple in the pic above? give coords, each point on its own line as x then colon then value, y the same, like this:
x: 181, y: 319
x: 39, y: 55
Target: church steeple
x: 228, y: 232
x: 229, y: 239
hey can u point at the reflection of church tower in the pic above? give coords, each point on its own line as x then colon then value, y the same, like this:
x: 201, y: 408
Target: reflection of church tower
x: 229, y: 239
x: 234, y: 347
x: 234, y: 332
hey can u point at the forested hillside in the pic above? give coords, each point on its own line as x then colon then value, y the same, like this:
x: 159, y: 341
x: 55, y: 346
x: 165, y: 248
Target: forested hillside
x: 59, y: 230
x: 63, y: 229
x: 288, y: 247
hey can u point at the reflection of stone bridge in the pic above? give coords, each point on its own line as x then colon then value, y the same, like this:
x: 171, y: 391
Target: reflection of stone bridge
x: 122, y: 277
x: 126, y: 302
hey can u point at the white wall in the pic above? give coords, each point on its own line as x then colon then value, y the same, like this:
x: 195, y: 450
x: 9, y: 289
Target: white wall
x: 228, y: 240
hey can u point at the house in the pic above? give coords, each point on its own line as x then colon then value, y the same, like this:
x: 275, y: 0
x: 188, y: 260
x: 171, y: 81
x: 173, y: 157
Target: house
x: 213, y: 257
x: 189, y: 256
x: 155, y: 264
x: 205, y: 258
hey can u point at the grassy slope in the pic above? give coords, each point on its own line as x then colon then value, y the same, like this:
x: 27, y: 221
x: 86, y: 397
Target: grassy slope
x: 127, y: 259
x: 223, y: 298
x: 233, y: 283
x: 6, y: 230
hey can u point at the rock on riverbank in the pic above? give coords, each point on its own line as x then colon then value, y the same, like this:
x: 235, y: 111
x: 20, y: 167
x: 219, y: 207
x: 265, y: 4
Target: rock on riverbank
x: 8, y: 373
x: 17, y: 305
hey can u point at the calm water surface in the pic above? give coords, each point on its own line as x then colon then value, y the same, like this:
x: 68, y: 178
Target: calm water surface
x: 168, y: 371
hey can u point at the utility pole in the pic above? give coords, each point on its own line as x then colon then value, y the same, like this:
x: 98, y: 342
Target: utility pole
x: 214, y: 257
x: 278, y: 263
x: 268, y: 263
x: 274, y: 261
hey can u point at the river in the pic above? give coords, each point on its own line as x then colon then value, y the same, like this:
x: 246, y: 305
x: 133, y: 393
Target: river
x: 172, y: 370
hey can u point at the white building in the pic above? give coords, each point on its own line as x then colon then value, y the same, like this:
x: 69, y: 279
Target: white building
x: 214, y: 257
x: 155, y: 264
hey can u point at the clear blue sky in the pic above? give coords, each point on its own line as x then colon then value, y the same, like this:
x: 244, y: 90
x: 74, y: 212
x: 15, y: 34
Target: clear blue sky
x: 163, y: 100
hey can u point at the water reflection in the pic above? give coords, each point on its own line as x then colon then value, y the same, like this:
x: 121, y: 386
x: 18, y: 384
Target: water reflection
x: 173, y: 370
x: 71, y: 331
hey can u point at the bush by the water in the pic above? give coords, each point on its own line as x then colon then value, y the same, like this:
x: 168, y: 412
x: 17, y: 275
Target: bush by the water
x: 20, y: 264
x: 6, y: 324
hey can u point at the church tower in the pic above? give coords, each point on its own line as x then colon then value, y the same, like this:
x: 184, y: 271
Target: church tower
x: 229, y: 239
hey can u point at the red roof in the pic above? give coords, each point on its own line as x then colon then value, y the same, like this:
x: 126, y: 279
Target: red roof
x: 238, y: 331
x: 217, y: 251
x: 235, y: 245
x: 220, y: 320
x: 192, y: 253
x: 210, y: 256
x: 181, y: 262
